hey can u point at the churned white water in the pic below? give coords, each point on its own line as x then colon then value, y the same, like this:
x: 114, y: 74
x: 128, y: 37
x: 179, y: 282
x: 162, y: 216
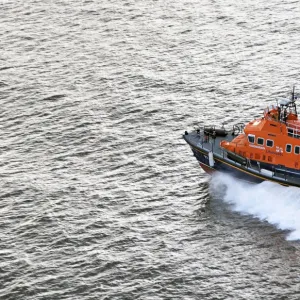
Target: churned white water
x: 267, y: 201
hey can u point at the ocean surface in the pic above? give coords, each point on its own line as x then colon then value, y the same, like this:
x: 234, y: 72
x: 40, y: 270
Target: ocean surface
x: 100, y: 198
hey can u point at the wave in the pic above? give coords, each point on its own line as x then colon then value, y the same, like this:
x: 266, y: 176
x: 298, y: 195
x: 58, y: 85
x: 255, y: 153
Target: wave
x: 268, y: 201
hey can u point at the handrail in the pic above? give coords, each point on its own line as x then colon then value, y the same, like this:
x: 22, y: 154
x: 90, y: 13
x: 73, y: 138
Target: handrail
x: 239, y: 127
x: 293, y: 131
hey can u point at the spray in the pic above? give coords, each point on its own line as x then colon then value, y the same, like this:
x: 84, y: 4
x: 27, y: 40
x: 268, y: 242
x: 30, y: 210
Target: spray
x: 268, y: 201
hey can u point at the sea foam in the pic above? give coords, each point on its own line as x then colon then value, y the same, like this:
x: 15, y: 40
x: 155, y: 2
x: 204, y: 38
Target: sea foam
x: 268, y: 201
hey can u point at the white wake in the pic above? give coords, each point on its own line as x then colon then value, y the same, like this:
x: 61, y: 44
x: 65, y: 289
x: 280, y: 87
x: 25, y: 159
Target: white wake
x: 268, y: 201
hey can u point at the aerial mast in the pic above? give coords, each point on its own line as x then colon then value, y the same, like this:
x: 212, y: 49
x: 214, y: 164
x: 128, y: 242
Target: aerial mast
x: 294, y: 99
x: 293, y: 93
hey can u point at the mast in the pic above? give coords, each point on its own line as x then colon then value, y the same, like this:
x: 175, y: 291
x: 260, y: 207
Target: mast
x: 293, y: 102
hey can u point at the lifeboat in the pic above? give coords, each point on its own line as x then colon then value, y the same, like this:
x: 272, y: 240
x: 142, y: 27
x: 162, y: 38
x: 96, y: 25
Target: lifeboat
x: 267, y: 148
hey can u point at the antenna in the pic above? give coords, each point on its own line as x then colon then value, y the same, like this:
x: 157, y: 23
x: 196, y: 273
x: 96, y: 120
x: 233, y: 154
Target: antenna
x: 294, y: 100
x: 293, y: 94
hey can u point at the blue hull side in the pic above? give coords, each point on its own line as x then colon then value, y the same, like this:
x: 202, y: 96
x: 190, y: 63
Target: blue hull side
x: 225, y: 167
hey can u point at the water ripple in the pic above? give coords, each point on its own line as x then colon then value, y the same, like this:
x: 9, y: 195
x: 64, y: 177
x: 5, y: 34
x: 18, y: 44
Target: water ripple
x: 100, y: 197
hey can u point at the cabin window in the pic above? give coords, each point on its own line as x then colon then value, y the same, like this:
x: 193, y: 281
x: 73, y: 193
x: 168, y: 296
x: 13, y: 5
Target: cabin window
x: 270, y: 143
x: 260, y: 141
x: 288, y: 148
x: 251, y: 138
x: 297, y: 149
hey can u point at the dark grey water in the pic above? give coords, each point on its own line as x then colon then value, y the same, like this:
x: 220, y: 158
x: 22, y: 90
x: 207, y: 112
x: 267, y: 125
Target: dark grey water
x: 100, y: 197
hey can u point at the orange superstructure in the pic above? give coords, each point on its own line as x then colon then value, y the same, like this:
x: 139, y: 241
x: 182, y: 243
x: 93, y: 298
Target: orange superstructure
x: 273, y: 139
